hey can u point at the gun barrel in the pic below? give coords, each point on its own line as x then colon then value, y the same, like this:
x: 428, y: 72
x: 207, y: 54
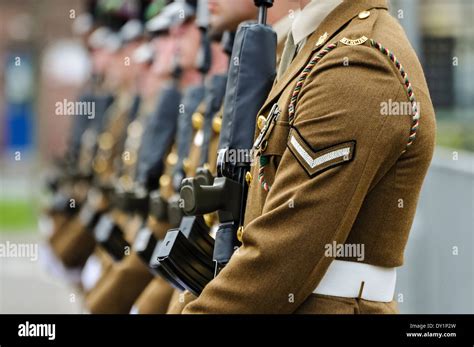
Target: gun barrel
x: 263, y: 6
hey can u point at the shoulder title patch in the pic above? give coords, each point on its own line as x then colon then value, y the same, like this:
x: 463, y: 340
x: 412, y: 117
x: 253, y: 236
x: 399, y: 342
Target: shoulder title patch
x: 356, y: 42
x: 315, y: 162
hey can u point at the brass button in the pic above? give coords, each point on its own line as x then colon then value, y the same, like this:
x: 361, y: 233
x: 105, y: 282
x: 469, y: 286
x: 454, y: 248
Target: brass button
x: 186, y: 165
x: 248, y: 177
x: 217, y: 124
x: 165, y: 181
x: 126, y: 182
x: 240, y: 233
x: 99, y: 165
x: 209, y: 219
x: 106, y: 141
x: 198, y: 120
x: 172, y: 159
x: 364, y: 14
x: 261, y: 122
x: 135, y: 129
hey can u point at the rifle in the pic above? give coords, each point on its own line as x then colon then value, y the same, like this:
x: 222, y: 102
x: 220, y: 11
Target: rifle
x: 159, y: 207
x: 183, y: 254
x: 170, y: 210
x: 157, y: 141
x: 194, y: 227
x: 159, y: 132
x: 68, y: 172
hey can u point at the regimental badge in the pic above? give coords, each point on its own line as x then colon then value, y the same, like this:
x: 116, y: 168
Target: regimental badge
x: 315, y: 162
x: 322, y: 39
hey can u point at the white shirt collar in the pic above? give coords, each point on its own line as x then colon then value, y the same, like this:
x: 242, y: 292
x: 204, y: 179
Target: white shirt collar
x: 310, y: 17
x: 283, y: 26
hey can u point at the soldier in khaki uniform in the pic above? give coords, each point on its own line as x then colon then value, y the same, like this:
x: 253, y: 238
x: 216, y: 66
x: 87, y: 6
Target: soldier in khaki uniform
x: 121, y: 286
x: 69, y: 179
x: 74, y: 244
x: 152, y: 300
x: 98, y: 265
x: 332, y: 167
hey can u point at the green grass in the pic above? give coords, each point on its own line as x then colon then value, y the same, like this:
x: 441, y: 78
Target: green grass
x: 16, y: 215
x: 455, y: 129
x: 456, y: 135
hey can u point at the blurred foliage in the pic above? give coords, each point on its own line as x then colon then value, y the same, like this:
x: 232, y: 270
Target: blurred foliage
x: 16, y: 215
x: 455, y: 129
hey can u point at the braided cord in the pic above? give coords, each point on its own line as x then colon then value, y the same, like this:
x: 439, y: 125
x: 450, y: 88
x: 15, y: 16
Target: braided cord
x: 261, y: 173
x: 408, y: 89
x: 304, y: 74
x: 393, y: 59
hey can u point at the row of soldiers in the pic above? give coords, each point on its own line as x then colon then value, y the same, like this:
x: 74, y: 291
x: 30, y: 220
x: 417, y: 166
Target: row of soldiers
x: 233, y: 142
x: 158, y: 85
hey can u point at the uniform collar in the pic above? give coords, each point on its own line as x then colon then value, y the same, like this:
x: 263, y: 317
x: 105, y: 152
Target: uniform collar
x: 283, y: 26
x: 331, y: 24
x: 310, y: 17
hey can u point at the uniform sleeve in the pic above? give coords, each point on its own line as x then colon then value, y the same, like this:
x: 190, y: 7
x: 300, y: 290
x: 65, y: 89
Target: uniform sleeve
x: 282, y: 258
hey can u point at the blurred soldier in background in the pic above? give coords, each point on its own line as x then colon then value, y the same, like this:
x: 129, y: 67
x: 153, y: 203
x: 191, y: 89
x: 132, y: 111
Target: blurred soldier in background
x: 127, y: 278
x: 71, y: 184
x: 75, y: 244
x: 196, y: 146
x: 228, y: 18
x: 148, y: 85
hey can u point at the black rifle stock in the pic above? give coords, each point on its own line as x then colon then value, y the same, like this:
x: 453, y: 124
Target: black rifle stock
x: 249, y: 82
x: 157, y: 138
x: 170, y: 210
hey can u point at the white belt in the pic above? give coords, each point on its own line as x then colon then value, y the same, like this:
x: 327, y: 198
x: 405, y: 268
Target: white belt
x: 344, y: 279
